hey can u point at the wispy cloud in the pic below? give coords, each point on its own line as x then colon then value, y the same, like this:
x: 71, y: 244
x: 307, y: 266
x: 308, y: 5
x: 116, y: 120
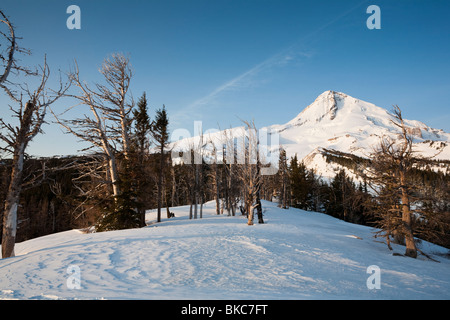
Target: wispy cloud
x: 244, y: 80
x: 249, y: 78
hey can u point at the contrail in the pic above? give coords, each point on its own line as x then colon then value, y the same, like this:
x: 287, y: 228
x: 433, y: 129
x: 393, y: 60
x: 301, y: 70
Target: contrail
x: 283, y: 57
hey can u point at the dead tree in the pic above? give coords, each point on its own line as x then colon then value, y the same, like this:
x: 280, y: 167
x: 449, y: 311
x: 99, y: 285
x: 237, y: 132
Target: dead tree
x: 389, y: 172
x: 215, y: 175
x: 230, y: 176
x: 117, y: 106
x: 9, y: 48
x: 109, y: 121
x: 7, y: 56
x: 250, y: 172
x: 30, y: 110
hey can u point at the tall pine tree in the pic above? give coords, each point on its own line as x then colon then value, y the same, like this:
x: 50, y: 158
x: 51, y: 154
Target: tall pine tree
x: 160, y: 133
x: 301, y: 185
x: 140, y: 150
x: 142, y: 127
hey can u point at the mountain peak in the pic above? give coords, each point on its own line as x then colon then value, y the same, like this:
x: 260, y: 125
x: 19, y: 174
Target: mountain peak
x: 330, y: 94
x: 337, y: 121
x: 325, y: 107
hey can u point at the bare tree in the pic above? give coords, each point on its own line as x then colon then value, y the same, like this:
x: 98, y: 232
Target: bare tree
x: 215, y: 175
x: 110, y: 108
x: 117, y: 73
x: 198, y: 169
x: 250, y: 172
x: 230, y: 178
x: 389, y: 172
x: 7, y: 56
x: 94, y: 129
x: 30, y: 110
x: 9, y: 48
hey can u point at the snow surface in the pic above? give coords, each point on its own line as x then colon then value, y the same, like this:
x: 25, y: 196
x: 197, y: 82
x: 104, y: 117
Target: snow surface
x: 295, y: 255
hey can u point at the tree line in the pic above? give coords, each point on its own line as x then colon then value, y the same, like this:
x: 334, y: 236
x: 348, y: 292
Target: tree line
x: 72, y: 192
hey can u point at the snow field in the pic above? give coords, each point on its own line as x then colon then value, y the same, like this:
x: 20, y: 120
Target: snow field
x: 295, y: 255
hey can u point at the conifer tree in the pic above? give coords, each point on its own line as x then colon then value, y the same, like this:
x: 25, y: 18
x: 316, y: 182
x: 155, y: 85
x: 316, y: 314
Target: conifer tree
x: 140, y: 151
x: 160, y: 133
x: 142, y: 127
x: 283, y: 180
x: 123, y: 213
x: 300, y: 185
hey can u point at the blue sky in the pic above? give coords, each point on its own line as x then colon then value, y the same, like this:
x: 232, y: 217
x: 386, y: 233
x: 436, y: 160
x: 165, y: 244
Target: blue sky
x: 219, y: 61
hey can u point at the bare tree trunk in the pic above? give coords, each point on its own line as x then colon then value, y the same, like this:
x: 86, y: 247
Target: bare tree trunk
x: 284, y: 193
x: 201, y: 206
x: 216, y: 182
x: 250, y: 214
x: 196, y: 193
x: 160, y: 183
x: 114, y: 175
x: 174, y: 187
x: 12, y: 47
x: 167, y: 206
x: 258, y: 190
x: 411, y: 249
x: 31, y: 116
x: 12, y: 203
x: 217, y: 187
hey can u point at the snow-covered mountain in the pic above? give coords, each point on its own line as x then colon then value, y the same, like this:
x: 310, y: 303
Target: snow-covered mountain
x: 336, y: 121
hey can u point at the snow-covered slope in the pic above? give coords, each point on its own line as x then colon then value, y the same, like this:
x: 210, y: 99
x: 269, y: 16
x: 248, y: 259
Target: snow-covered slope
x: 340, y: 122
x: 295, y: 255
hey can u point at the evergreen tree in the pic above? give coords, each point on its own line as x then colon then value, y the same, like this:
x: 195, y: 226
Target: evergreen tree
x: 140, y: 151
x: 142, y: 126
x: 160, y: 133
x: 337, y: 192
x: 301, y: 185
x: 282, y: 180
x: 122, y: 213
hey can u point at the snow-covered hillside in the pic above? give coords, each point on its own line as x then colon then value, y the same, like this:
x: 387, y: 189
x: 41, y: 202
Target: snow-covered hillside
x: 295, y: 255
x: 337, y: 121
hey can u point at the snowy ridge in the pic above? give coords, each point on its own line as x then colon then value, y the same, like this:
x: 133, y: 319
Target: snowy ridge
x: 294, y: 255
